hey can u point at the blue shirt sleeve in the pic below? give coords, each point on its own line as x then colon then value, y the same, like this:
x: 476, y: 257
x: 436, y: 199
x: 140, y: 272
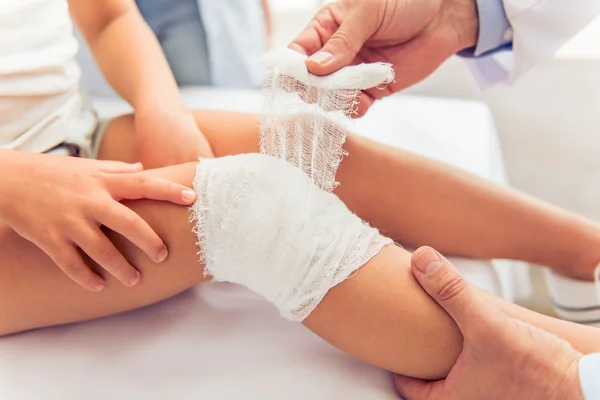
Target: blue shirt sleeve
x: 495, y: 32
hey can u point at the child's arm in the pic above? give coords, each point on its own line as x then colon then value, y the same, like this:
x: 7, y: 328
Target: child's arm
x: 132, y: 61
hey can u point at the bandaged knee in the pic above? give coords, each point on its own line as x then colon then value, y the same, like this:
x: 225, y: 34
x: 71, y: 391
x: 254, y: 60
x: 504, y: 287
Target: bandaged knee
x: 270, y: 221
x: 262, y: 223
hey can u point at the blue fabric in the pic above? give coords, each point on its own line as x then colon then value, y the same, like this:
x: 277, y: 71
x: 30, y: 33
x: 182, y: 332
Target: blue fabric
x: 179, y: 29
x: 209, y: 42
x: 493, y: 25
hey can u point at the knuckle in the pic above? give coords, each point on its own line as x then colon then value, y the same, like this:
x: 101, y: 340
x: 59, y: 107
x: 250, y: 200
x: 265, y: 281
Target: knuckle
x: 131, y: 220
x: 141, y: 179
x: 98, y: 176
x: 342, y: 40
x: 94, y: 206
x: 167, y: 185
x: 73, y: 267
x: 106, y: 254
x: 51, y: 236
x: 73, y: 221
x: 452, y: 285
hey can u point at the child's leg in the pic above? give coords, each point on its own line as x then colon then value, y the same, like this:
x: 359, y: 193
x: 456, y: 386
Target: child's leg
x: 421, y: 202
x: 380, y: 315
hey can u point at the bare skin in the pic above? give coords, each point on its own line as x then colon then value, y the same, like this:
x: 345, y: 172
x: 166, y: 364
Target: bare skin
x: 419, y: 202
x: 502, y: 358
x: 381, y: 315
x: 132, y: 61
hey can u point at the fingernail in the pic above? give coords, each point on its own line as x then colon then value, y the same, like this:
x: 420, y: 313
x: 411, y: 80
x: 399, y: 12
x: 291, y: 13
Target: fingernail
x: 427, y: 261
x: 135, y: 279
x: 98, y: 286
x: 162, y: 255
x: 188, y: 195
x: 321, y: 57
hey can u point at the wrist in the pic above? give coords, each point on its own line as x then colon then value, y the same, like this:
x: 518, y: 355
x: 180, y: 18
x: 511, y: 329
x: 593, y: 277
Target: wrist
x: 162, y: 105
x: 464, y: 22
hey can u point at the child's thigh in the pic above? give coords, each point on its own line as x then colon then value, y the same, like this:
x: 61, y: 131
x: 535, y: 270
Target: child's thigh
x: 35, y: 293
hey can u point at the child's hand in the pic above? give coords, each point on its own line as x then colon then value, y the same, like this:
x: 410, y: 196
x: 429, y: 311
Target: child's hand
x: 59, y: 203
x: 168, y: 137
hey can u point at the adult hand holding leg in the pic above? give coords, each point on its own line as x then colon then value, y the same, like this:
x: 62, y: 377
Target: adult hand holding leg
x: 502, y: 358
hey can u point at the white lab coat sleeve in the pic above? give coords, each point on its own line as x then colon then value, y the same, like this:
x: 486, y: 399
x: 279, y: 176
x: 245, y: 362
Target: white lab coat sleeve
x: 236, y: 38
x: 540, y: 28
x: 589, y: 376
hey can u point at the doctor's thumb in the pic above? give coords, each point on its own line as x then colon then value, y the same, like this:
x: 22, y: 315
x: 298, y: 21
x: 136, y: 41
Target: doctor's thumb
x: 340, y: 49
x: 442, y: 281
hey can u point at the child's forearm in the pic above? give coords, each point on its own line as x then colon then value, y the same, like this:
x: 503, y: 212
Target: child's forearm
x: 382, y: 316
x: 126, y: 51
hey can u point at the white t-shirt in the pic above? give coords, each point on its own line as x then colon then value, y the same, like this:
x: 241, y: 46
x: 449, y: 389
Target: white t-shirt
x: 39, y: 98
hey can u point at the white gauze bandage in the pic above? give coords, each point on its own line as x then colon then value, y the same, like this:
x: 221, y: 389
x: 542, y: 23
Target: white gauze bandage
x: 262, y: 223
x: 269, y: 221
x: 305, y: 117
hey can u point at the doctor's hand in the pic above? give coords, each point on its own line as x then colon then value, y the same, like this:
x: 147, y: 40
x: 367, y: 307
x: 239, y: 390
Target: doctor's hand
x: 416, y: 36
x: 502, y: 358
x: 59, y: 203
